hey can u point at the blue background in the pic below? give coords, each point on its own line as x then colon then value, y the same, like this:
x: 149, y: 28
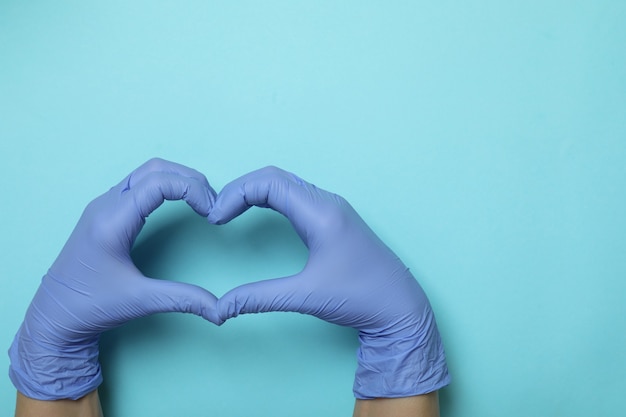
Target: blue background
x: 485, y: 142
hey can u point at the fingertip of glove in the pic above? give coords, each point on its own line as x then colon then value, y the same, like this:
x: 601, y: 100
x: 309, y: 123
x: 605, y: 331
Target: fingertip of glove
x: 216, y: 320
x: 211, y: 315
x: 214, y: 218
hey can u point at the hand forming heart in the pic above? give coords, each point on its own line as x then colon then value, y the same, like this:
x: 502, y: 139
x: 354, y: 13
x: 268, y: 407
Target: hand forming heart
x: 351, y: 279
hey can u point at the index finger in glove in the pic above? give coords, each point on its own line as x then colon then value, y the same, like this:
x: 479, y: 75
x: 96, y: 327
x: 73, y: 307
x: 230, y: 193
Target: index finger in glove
x: 301, y: 202
x: 161, y: 165
x: 156, y: 187
x: 123, y: 215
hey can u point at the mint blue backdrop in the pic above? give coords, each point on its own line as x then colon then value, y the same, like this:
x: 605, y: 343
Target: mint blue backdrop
x: 484, y: 141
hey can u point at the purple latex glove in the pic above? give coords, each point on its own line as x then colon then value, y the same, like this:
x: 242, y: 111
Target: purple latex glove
x: 94, y: 286
x: 351, y: 278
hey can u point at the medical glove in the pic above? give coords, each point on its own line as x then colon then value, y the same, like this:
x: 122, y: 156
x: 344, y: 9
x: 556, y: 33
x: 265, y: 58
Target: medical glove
x: 351, y: 278
x: 94, y: 286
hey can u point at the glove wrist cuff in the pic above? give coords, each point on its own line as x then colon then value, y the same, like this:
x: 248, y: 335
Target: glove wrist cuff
x: 42, y: 373
x: 401, y: 366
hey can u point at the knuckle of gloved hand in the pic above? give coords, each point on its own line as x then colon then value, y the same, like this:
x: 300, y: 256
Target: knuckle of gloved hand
x: 202, y: 179
x: 273, y: 172
x: 155, y: 164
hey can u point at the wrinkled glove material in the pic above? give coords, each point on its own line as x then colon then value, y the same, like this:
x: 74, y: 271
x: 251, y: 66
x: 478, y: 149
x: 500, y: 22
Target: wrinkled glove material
x: 42, y: 372
x: 93, y: 285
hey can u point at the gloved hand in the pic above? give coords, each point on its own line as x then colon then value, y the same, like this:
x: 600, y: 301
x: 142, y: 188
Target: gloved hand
x: 351, y: 278
x: 94, y: 286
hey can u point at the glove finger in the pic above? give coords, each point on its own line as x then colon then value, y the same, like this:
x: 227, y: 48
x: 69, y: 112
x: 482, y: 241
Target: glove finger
x: 267, y: 187
x: 279, y: 294
x: 245, y: 192
x: 156, y: 165
x: 160, y: 296
x: 157, y: 187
